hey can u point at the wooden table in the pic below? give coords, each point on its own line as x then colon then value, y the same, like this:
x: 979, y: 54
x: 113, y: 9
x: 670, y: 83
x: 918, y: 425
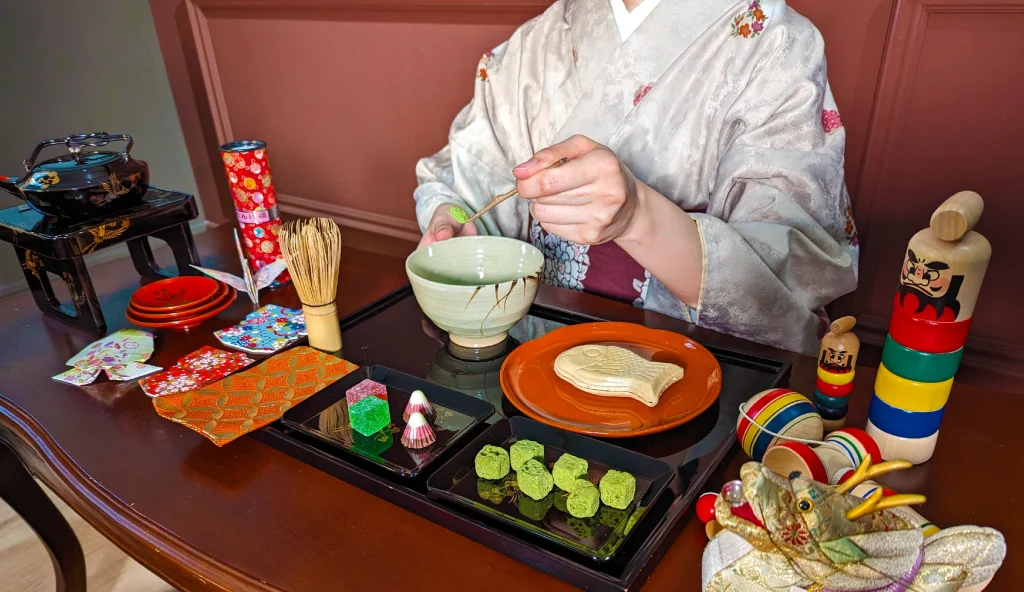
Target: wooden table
x: 247, y: 517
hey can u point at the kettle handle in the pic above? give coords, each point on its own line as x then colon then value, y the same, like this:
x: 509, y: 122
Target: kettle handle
x: 76, y: 142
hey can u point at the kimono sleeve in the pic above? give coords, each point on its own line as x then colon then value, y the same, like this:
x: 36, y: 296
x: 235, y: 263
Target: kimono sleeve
x: 477, y: 163
x: 778, y: 238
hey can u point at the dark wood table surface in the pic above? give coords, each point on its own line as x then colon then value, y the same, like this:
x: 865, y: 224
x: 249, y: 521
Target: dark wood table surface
x: 247, y: 517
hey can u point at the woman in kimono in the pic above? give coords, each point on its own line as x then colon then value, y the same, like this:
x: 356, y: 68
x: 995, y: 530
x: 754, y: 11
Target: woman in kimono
x: 705, y: 173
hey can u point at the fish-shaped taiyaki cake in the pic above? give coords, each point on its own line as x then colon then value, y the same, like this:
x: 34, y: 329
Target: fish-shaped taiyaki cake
x: 612, y: 371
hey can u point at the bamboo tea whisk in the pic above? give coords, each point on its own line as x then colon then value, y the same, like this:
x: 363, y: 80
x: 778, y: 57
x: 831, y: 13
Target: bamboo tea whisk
x: 312, y: 250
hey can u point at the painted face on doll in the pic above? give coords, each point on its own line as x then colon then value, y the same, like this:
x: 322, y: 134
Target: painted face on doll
x: 836, y: 359
x: 930, y: 277
x: 932, y: 283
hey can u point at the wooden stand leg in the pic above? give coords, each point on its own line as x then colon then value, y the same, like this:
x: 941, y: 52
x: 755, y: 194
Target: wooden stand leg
x: 87, y: 313
x: 23, y: 494
x: 183, y: 247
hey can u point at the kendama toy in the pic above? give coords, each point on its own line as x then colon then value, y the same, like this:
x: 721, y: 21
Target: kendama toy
x: 842, y: 450
x: 942, y: 273
x: 837, y: 362
x: 776, y: 412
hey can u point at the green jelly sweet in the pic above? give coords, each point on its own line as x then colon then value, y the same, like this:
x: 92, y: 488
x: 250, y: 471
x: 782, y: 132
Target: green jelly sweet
x: 617, y: 489
x: 534, y: 479
x: 375, y: 444
x: 369, y: 415
x: 567, y: 470
x: 535, y: 509
x: 583, y: 527
x: 492, y: 462
x: 524, y: 450
x: 584, y: 499
x: 612, y: 517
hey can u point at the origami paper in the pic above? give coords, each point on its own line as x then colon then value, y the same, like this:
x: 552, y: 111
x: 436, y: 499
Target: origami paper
x: 198, y: 368
x: 265, y: 331
x: 234, y: 406
x: 120, y: 355
x: 248, y: 283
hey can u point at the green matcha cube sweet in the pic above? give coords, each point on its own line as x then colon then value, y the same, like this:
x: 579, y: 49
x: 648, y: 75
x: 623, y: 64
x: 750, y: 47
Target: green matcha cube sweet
x: 535, y: 509
x: 618, y: 489
x: 584, y: 499
x: 561, y: 498
x: 492, y: 462
x: 567, y: 470
x: 524, y: 450
x: 369, y: 416
x: 534, y: 479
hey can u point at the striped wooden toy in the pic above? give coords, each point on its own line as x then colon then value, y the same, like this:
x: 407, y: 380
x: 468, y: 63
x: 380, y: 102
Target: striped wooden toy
x: 846, y: 449
x: 792, y: 459
x: 781, y: 411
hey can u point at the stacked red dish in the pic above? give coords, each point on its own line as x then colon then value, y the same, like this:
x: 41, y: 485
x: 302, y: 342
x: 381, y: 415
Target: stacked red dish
x: 179, y: 303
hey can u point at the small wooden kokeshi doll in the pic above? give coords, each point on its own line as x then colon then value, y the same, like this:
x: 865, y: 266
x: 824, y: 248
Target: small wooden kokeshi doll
x: 942, y: 273
x: 837, y: 362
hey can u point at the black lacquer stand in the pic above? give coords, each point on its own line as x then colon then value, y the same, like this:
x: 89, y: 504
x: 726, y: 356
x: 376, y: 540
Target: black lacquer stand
x: 44, y: 244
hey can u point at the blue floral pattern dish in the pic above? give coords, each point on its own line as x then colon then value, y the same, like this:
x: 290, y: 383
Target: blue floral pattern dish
x: 265, y: 331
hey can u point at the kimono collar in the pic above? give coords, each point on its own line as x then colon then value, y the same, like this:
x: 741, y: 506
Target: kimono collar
x: 614, y: 75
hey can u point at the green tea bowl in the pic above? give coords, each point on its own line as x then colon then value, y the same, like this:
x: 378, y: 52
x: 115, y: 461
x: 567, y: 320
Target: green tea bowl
x: 475, y: 287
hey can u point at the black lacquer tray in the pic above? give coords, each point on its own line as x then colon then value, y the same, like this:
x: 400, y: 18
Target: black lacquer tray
x: 394, y: 332
x: 598, y: 537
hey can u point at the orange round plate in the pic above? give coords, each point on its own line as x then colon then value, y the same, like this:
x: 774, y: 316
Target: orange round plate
x: 175, y: 315
x: 529, y: 381
x: 174, y: 293
x: 187, y: 323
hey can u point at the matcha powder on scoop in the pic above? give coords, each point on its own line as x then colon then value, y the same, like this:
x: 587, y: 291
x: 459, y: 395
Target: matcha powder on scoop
x: 459, y: 214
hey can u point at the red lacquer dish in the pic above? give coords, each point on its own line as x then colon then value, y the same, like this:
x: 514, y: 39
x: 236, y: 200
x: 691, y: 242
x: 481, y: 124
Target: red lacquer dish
x: 530, y: 383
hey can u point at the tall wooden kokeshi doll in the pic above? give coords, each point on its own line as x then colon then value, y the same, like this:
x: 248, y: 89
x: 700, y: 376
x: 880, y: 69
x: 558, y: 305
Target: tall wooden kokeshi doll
x: 837, y: 362
x: 942, y: 274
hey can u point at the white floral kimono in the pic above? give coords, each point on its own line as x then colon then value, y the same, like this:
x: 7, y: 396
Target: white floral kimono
x: 721, y: 106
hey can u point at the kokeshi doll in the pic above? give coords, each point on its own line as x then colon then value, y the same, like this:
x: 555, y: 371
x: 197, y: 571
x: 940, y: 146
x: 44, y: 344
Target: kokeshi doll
x: 942, y: 273
x: 837, y: 361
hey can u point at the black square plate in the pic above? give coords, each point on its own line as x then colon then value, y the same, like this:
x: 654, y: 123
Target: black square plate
x: 325, y: 417
x: 597, y: 538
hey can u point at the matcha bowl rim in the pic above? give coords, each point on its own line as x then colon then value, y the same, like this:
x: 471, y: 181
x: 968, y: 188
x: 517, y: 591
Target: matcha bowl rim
x: 460, y: 302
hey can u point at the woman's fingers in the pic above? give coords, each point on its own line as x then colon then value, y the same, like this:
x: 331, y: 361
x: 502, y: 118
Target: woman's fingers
x: 545, y: 213
x: 571, y: 148
x: 574, y: 174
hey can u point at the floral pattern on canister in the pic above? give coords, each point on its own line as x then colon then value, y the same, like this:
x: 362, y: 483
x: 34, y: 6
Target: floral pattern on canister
x: 750, y: 23
x: 830, y: 120
x: 255, y: 200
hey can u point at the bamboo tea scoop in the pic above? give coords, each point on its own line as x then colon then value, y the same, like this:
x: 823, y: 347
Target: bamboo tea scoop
x: 497, y: 200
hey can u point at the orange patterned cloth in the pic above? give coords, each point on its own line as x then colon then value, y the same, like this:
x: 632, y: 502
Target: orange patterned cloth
x: 249, y: 400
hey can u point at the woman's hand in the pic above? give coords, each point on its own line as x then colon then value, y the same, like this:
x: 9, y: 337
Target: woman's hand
x: 589, y: 200
x: 443, y: 227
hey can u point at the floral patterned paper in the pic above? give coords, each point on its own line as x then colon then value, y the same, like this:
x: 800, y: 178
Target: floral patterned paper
x: 198, y: 368
x: 120, y: 355
x: 266, y: 330
x: 255, y: 199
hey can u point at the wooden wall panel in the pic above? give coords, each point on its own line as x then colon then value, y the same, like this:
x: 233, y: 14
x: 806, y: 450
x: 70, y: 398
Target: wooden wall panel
x: 948, y: 117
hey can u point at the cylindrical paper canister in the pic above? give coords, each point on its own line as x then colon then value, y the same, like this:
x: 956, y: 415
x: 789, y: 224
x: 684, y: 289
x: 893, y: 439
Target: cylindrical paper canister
x: 920, y: 366
x: 252, y: 190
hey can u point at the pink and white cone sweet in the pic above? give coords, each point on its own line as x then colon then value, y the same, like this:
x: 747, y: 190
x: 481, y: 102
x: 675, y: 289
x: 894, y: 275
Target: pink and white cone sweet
x: 418, y: 403
x: 418, y: 433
